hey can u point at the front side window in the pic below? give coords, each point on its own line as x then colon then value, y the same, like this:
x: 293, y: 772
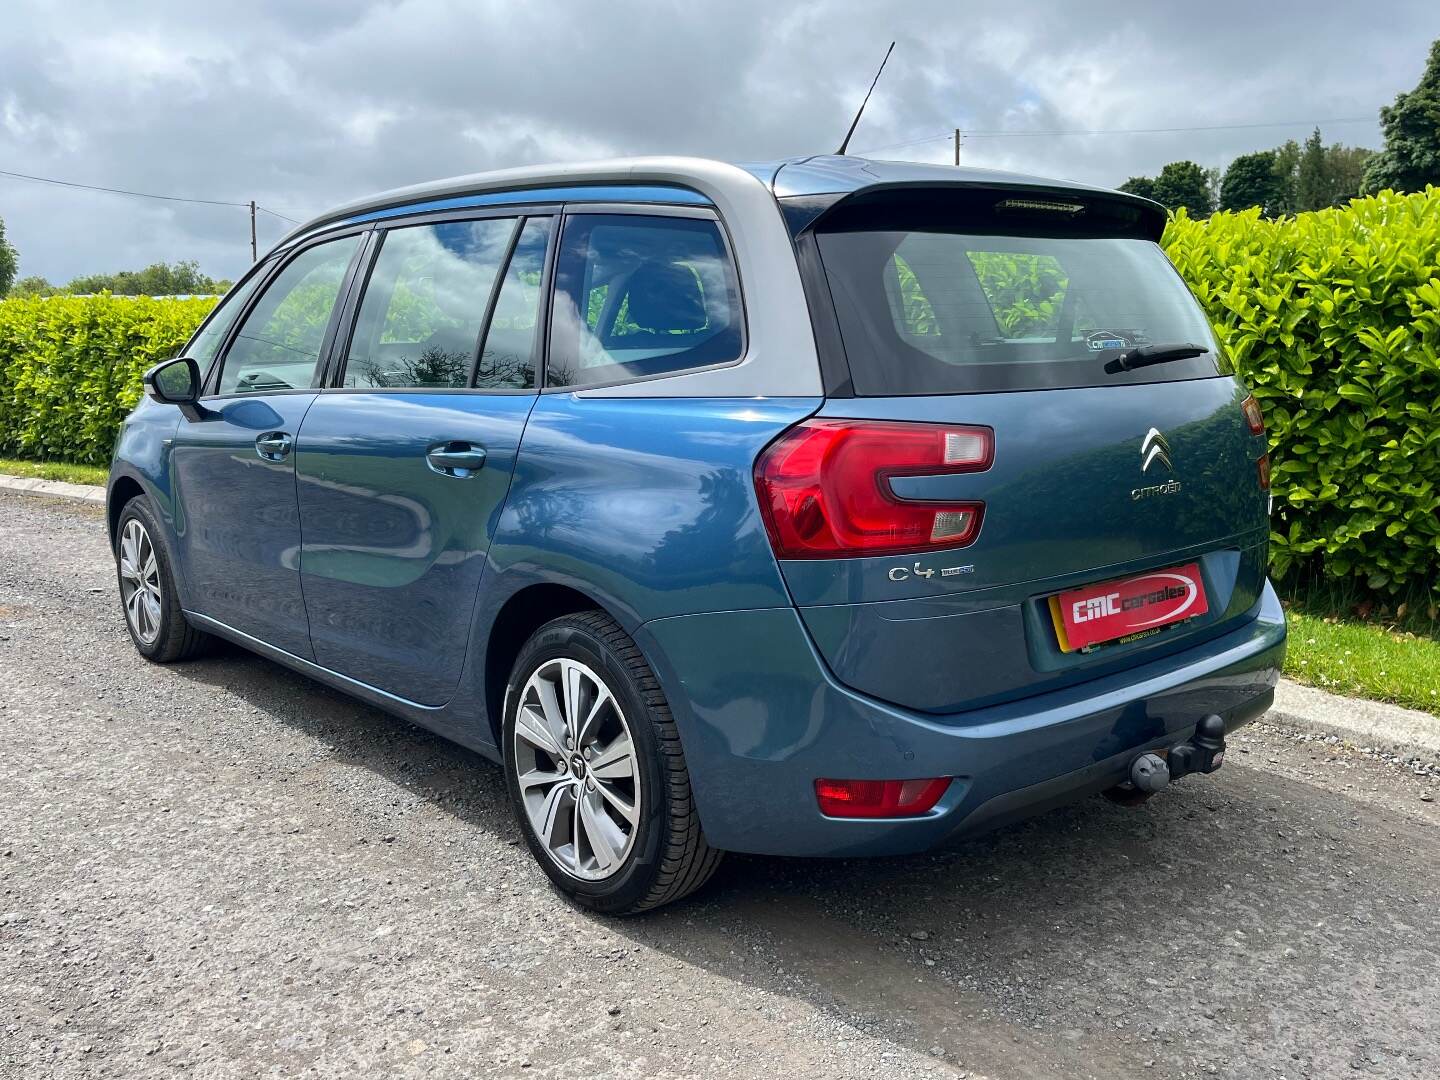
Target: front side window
x: 278, y: 345
x: 424, y: 304
x: 639, y: 296
x: 935, y: 312
x: 206, y: 342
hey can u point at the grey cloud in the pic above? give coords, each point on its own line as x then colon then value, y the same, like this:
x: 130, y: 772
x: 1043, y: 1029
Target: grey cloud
x: 302, y: 105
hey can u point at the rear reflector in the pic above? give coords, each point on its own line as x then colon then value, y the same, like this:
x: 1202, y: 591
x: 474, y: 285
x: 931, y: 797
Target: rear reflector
x: 1262, y: 469
x: 879, y: 798
x: 1253, y: 416
x: 824, y: 487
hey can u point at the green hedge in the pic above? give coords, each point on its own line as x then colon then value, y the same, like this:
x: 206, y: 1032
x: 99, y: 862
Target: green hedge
x: 1333, y: 318
x: 70, y: 368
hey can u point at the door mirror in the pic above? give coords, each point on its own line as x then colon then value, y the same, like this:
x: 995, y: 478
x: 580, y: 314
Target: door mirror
x: 176, y: 382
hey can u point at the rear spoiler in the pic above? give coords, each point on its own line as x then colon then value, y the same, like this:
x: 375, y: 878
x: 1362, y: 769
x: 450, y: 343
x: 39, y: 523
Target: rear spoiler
x: 1008, y: 209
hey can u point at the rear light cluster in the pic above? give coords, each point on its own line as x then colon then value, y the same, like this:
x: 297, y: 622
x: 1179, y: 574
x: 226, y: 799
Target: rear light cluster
x: 1256, y: 419
x: 1253, y: 416
x: 879, y: 798
x: 825, y: 487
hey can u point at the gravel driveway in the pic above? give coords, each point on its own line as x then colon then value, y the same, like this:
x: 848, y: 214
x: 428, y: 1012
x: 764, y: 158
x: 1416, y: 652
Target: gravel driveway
x: 222, y: 870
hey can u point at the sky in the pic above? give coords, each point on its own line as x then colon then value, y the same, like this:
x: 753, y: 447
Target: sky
x: 303, y: 104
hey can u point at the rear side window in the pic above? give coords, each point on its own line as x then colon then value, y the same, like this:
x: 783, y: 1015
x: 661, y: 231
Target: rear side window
x: 278, y: 345
x: 507, y: 362
x: 945, y: 312
x: 419, y: 322
x: 639, y: 296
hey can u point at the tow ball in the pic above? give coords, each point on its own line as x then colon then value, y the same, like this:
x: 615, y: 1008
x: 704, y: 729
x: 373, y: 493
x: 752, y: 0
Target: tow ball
x: 1203, y: 752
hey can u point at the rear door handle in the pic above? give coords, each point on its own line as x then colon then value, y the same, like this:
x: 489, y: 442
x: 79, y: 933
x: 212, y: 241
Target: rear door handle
x: 458, y: 459
x: 273, y: 445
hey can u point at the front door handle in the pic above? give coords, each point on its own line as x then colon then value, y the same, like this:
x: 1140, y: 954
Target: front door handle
x: 273, y: 445
x: 457, y: 459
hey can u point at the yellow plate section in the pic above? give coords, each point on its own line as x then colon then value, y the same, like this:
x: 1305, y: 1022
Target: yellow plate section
x: 1059, y: 624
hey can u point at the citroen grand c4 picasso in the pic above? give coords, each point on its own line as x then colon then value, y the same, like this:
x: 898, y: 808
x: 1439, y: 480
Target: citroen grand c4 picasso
x: 819, y: 507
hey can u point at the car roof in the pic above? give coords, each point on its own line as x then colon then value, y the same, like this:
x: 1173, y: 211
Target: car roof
x: 784, y: 178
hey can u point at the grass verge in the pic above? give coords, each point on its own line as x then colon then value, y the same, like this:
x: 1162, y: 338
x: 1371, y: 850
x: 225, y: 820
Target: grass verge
x: 55, y: 470
x: 1364, y: 659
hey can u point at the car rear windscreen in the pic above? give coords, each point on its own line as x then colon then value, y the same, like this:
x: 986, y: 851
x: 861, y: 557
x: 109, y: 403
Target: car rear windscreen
x: 941, y: 312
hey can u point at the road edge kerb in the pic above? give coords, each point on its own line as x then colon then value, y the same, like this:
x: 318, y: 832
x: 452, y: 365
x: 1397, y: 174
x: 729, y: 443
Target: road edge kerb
x: 1366, y: 723
x: 55, y: 489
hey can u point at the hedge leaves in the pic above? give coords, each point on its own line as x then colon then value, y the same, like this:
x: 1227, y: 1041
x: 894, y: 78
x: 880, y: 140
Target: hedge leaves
x: 1333, y: 318
x: 70, y: 368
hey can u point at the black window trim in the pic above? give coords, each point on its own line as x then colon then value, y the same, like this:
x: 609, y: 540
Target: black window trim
x: 211, y: 382
x: 591, y: 209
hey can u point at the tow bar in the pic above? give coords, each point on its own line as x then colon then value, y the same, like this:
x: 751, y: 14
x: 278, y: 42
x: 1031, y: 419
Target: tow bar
x: 1203, y: 752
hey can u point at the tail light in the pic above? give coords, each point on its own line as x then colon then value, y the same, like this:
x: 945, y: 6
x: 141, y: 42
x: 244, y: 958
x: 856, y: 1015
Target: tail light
x: 1253, y: 416
x: 879, y: 798
x: 1262, y: 470
x: 825, y: 491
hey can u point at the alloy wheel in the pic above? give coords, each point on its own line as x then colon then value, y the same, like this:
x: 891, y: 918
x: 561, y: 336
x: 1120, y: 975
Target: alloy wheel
x: 574, y: 759
x: 140, y: 582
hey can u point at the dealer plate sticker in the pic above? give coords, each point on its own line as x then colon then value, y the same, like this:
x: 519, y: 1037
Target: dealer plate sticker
x: 1116, y: 610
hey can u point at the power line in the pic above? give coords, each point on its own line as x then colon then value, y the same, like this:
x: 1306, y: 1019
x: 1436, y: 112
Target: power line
x: 1004, y: 134
x: 272, y: 213
x: 142, y: 194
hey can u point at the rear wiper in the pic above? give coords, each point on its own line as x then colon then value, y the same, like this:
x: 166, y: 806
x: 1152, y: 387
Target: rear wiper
x: 1145, y: 355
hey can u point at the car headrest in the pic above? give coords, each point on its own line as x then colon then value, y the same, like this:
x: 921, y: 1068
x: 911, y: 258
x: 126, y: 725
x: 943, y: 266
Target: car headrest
x: 666, y: 296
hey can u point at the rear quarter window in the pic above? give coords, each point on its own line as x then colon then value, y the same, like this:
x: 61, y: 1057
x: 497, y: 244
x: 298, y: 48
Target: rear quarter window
x: 639, y: 296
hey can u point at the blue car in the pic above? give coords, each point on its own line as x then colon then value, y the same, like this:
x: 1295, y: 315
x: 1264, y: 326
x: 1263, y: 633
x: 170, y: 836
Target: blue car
x: 819, y: 507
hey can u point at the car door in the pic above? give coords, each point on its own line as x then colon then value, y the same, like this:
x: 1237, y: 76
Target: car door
x: 237, y: 518
x: 404, y: 465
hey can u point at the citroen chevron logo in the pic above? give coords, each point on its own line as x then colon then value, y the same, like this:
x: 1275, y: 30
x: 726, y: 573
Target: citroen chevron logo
x: 1154, y: 448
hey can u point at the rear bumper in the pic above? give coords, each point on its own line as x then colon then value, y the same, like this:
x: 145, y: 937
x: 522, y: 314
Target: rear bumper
x: 761, y: 718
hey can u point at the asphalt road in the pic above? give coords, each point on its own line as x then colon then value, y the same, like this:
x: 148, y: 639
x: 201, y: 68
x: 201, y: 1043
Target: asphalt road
x: 221, y: 870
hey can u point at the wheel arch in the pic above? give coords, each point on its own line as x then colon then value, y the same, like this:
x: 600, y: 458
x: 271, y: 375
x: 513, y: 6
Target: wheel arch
x: 522, y: 613
x: 123, y: 488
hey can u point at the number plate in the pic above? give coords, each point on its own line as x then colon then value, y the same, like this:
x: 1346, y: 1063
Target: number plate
x: 1128, y: 607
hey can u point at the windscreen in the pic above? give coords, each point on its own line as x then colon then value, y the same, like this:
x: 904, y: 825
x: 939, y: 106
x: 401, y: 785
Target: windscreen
x: 937, y: 312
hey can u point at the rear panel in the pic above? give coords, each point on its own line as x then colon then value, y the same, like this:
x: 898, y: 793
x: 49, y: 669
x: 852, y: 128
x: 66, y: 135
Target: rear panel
x: 1008, y: 319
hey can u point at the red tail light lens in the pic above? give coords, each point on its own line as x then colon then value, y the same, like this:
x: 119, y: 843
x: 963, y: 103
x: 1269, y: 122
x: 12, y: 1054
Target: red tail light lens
x: 879, y: 798
x: 1253, y: 416
x: 825, y: 490
x: 1262, y: 469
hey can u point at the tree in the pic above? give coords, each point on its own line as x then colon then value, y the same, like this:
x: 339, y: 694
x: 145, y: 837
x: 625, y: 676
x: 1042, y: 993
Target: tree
x: 1411, y: 158
x: 1345, y: 165
x: 1287, y: 161
x: 33, y: 286
x: 1308, y: 177
x: 9, y: 262
x: 1140, y: 185
x: 157, y: 279
x: 1184, y: 183
x: 1252, y: 180
x: 1311, y: 186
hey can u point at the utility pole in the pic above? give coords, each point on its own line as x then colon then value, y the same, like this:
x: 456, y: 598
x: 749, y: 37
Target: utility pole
x: 254, y: 254
x: 957, y: 148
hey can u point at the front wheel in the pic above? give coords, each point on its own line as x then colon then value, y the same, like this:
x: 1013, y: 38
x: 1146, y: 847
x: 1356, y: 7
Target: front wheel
x: 595, y: 770
x: 153, y: 616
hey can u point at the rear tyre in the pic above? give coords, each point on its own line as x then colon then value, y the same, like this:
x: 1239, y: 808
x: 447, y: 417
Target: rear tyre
x: 148, y: 595
x: 595, y: 771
